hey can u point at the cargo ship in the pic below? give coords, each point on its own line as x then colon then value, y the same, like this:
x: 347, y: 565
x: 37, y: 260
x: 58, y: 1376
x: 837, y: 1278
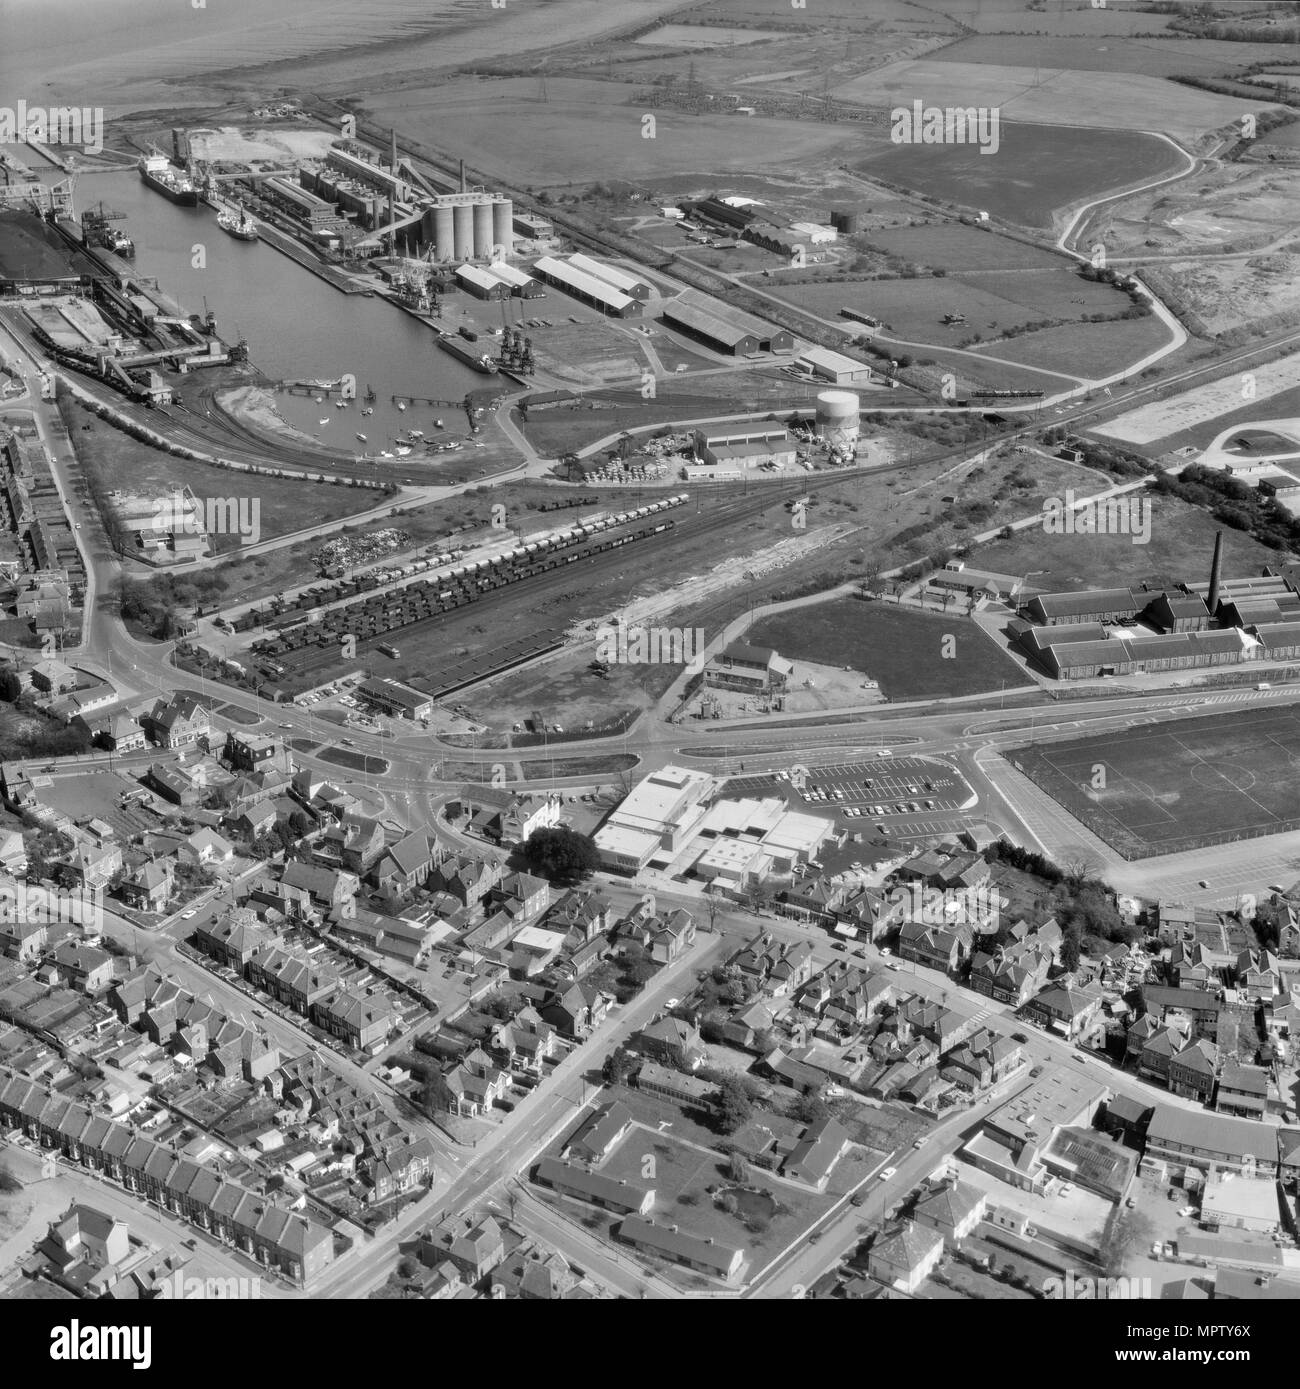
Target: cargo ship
x: 157, y: 171
x: 472, y: 357
x: 238, y: 223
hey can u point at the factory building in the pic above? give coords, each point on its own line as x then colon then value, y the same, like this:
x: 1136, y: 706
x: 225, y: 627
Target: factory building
x: 740, y: 447
x: 520, y: 284
x: 481, y: 282
x: 588, y: 288
x: 1092, y: 605
x: 833, y: 367
x: 619, y: 279
x: 315, y: 213
x: 724, y: 329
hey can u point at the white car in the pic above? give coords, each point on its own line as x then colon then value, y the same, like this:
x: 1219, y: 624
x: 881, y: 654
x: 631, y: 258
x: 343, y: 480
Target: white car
x: 887, y: 1172
x: 189, y: 912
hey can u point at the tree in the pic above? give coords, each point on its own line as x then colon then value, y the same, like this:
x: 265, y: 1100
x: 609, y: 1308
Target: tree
x: 733, y: 1105
x: 1124, y: 1231
x: 738, y: 1168
x: 1070, y: 948
x: 618, y: 1066
x: 810, y: 1108
x: 562, y: 856
x: 8, y: 1182
x: 437, y: 1095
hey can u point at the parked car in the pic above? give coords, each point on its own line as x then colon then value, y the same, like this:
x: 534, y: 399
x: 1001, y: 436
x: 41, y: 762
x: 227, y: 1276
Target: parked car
x: 888, y: 1172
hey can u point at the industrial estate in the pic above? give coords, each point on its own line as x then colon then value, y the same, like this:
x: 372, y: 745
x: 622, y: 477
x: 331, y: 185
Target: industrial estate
x: 652, y: 651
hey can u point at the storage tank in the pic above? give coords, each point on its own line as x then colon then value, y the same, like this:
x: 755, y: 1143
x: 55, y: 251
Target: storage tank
x: 483, y: 231
x: 443, y: 239
x: 837, y: 420
x: 503, y: 227
x: 463, y: 226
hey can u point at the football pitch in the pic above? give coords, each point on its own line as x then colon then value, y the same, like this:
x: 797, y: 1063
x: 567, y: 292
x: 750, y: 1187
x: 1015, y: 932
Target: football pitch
x: 1179, y: 785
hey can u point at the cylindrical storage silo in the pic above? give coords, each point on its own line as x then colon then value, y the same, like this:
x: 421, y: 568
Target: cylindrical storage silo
x: 463, y: 222
x: 443, y: 239
x: 503, y: 227
x: 483, y: 231
x: 837, y: 420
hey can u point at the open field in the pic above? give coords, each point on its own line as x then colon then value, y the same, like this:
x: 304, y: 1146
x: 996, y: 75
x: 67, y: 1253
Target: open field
x: 1039, y: 167
x: 954, y: 247
x: 1185, y: 784
x: 500, y: 126
x: 913, y: 309
x: 705, y: 35
x: 1147, y: 57
x: 1093, y: 100
x: 1091, y: 350
x: 1182, y: 541
x: 901, y: 648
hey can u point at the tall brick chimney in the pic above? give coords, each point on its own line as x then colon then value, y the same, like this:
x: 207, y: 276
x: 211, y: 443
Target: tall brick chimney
x: 1216, y: 566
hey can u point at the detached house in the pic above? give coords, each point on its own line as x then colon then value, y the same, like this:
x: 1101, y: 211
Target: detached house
x: 475, y: 1085
x: 671, y: 1042
x: 149, y: 887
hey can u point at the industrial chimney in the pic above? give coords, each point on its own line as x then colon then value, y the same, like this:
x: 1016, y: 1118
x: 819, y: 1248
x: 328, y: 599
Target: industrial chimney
x: 462, y: 175
x: 394, y: 166
x: 1216, y: 565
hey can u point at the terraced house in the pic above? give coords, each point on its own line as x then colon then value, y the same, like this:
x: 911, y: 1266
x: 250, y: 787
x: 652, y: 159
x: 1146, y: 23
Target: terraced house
x: 274, y: 1236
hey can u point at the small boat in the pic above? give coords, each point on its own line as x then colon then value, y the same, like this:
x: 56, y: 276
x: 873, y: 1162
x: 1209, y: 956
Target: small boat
x: 319, y: 399
x: 362, y: 437
x: 368, y: 411
x: 340, y: 405
x: 326, y: 420
x: 383, y: 453
x: 402, y: 452
x: 437, y: 424
x: 415, y: 433
x: 401, y: 405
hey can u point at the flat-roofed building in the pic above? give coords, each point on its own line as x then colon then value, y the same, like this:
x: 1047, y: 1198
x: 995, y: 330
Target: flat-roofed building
x: 610, y: 1193
x: 656, y: 818
x: 397, y: 700
x: 1231, y: 1202
x: 690, y: 1251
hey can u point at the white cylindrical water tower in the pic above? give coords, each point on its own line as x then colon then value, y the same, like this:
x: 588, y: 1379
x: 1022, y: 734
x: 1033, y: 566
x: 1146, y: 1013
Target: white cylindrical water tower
x: 837, y: 421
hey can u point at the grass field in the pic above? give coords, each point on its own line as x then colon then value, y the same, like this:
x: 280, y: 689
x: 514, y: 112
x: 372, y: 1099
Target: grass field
x: 1179, y: 786
x: 1150, y: 57
x: 901, y: 648
x: 953, y: 247
x: 1037, y: 170
x: 501, y: 126
x: 1090, y: 350
x: 913, y: 309
x: 1118, y: 101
